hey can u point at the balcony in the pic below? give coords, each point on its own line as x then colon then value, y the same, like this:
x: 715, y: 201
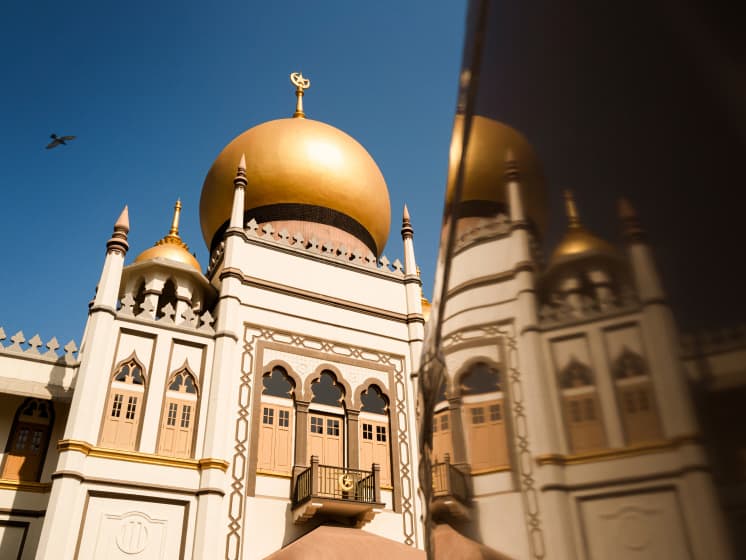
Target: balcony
x: 451, y: 491
x: 336, y: 492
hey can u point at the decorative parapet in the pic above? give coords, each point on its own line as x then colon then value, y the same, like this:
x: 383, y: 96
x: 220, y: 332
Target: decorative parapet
x: 483, y: 230
x: 31, y: 349
x: 713, y: 342
x: 560, y: 312
x: 146, y: 313
x: 267, y: 234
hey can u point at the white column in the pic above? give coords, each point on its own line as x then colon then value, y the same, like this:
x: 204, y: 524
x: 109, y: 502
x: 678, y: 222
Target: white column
x: 226, y: 371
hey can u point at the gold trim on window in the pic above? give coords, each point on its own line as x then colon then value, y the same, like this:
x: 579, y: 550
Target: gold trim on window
x: 23, y: 486
x: 273, y: 474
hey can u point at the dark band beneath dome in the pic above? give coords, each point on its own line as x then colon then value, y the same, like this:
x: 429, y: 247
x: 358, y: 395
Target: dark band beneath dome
x: 303, y: 213
x: 480, y: 209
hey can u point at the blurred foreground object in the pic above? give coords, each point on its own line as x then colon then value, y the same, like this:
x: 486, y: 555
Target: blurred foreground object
x: 555, y: 417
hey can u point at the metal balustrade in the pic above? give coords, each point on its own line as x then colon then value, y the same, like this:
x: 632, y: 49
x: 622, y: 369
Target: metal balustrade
x: 337, y: 483
x: 449, y: 480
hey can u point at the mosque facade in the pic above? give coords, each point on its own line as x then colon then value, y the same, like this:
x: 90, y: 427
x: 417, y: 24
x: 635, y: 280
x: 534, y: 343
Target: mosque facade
x: 266, y: 406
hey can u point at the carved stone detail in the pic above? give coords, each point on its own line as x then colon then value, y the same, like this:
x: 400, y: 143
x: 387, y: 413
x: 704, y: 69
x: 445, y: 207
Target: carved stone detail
x: 31, y: 349
x: 253, y: 334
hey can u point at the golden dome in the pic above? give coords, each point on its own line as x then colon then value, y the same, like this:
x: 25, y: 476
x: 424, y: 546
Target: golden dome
x: 171, y: 247
x: 578, y: 240
x: 300, y: 169
x: 484, y: 172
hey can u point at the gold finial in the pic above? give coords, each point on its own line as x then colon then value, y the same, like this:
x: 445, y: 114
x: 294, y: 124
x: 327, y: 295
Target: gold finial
x: 301, y: 84
x: 573, y: 218
x: 173, y: 237
x: 174, y: 231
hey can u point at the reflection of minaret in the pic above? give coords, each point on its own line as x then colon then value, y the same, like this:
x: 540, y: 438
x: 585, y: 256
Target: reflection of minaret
x: 676, y: 410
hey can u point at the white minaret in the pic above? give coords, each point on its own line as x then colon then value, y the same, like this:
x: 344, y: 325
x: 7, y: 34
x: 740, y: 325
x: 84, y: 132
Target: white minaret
x: 91, y: 388
x: 677, y: 411
x: 413, y: 287
x: 710, y: 538
x: 226, y: 362
x: 97, y: 345
x: 538, y: 401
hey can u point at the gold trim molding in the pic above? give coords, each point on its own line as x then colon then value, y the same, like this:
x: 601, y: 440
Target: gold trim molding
x: 619, y: 453
x: 491, y: 470
x: 136, y: 457
x: 25, y: 486
x: 274, y: 474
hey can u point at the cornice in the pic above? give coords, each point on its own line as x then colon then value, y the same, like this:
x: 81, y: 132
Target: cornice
x: 144, y: 458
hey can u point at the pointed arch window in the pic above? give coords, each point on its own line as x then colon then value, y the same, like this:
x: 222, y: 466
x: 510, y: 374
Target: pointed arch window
x: 179, y: 416
x: 636, y: 398
x: 581, y: 408
x: 276, y: 423
x: 28, y: 440
x: 483, y: 410
x: 124, y: 407
x: 326, y: 426
x: 375, y: 432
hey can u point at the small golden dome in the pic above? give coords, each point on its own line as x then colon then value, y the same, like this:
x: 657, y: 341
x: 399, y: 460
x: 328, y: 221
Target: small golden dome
x: 300, y: 169
x: 484, y: 172
x: 171, y: 247
x: 426, y: 308
x: 426, y: 305
x: 578, y: 240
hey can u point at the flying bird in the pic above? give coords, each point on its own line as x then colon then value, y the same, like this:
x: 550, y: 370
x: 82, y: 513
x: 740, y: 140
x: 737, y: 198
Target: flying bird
x: 59, y: 140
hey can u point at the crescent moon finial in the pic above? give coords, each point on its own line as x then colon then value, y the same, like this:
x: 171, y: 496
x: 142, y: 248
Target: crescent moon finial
x: 301, y: 84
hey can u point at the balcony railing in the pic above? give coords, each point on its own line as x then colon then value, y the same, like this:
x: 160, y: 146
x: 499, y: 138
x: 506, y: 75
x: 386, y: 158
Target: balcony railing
x: 336, y: 490
x: 451, y: 489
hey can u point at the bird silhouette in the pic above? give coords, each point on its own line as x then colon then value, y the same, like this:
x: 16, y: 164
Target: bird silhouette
x: 59, y: 140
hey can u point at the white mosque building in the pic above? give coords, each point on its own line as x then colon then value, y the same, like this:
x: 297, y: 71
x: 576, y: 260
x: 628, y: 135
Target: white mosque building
x: 266, y: 405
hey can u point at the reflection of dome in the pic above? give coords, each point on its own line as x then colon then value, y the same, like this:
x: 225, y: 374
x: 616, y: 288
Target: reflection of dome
x: 484, y: 177
x: 578, y: 242
x: 171, y: 247
x: 300, y: 170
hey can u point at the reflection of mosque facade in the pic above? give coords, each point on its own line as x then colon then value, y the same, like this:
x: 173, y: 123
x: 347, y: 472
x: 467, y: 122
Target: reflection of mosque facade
x: 266, y: 407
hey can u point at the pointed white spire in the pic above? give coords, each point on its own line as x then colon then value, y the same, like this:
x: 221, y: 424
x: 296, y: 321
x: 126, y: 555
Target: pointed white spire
x: 239, y: 185
x: 123, y: 221
x: 632, y: 230
x: 118, y: 240
x: 407, y: 233
x: 513, y: 185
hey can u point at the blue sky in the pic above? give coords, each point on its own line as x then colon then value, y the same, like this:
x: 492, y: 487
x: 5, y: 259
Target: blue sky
x: 154, y: 90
